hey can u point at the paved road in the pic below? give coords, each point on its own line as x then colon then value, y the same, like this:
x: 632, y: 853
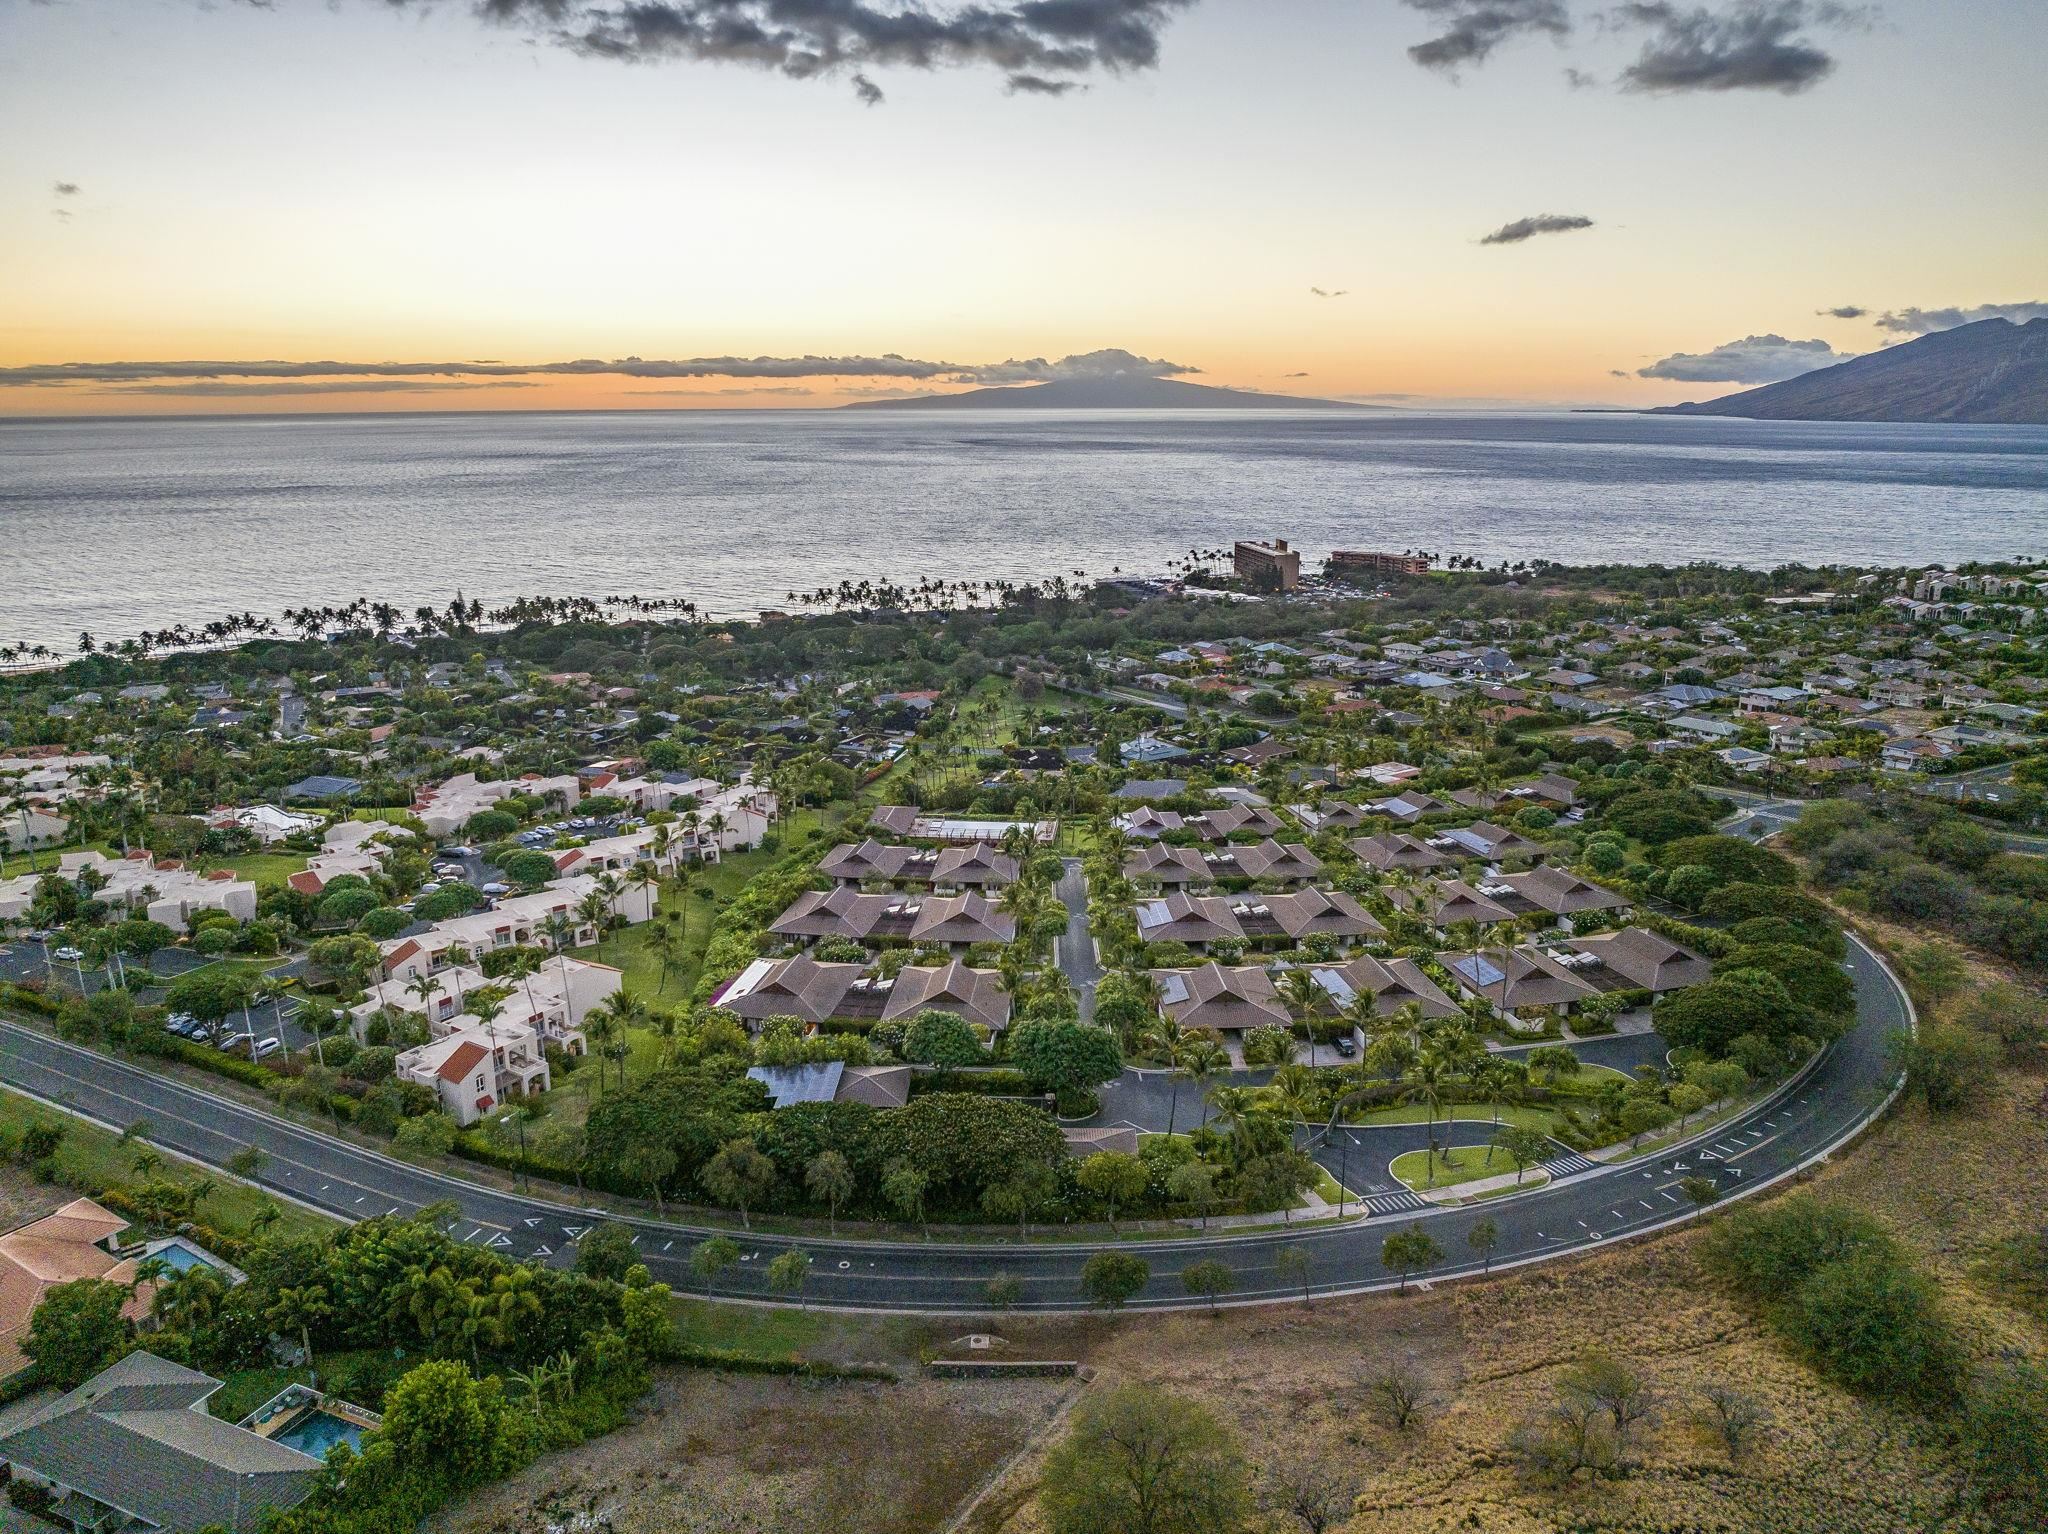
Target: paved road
x: 1075, y: 950
x: 1849, y: 1083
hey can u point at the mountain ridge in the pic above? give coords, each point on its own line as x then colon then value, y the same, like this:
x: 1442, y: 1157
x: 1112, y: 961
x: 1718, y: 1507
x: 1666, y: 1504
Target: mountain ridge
x: 1991, y: 372
x: 1123, y: 392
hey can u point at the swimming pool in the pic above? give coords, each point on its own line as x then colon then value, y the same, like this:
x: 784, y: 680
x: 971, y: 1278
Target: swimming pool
x: 318, y: 1431
x: 179, y: 1257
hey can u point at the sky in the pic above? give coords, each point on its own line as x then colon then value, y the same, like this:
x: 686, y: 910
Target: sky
x: 775, y: 203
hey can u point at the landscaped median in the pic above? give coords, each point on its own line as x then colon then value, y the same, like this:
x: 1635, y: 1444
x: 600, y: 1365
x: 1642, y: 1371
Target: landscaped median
x: 1465, y: 1168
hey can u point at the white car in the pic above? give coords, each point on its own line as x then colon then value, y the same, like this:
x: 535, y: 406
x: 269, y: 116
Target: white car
x: 67, y: 954
x: 265, y: 1048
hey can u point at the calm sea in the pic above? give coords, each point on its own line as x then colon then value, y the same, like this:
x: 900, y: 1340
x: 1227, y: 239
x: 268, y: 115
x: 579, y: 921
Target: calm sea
x: 121, y: 525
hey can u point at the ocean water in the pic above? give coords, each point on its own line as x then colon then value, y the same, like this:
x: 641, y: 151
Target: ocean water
x: 116, y: 526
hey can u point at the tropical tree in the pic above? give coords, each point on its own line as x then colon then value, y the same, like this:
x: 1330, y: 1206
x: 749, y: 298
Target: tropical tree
x: 1209, y: 1279
x: 1483, y: 1238
x: 1293, y: 1263
x: 788, y: 1273
x: 710, y: 1258
x: 1409, y: 1251
x: 828, y: 1178
x: 738, y: 1175
x: 1111, y: 1279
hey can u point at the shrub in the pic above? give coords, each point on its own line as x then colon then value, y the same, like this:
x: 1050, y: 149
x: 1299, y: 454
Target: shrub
x: 383, y: 922
x: 1872, y: 1323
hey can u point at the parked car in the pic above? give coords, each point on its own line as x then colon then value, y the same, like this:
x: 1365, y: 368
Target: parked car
x: 228, y: 1043
x: 495, y: 888
x: 67, y: 953
x: 264, y: 1048
x: 1347, y: 1046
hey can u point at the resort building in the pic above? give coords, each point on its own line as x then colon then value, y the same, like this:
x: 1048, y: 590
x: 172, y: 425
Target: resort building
x: 553, y: 1000
x: 515, y: 921
x: 1273, y: 565
x: 445, y: 809
x: 166, y: 892
x: 473, y: 1066
x: 812, y: 992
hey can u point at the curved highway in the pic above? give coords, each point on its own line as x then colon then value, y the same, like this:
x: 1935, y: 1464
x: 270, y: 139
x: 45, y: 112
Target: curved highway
x: 1584, y: 1208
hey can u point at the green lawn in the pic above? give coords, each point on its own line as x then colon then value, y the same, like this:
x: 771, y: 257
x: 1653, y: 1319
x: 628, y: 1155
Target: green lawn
x: 92, y: 1160
x: 1417, y: 1113
x: 1465, y: 1163
x: 45, y: 859
x: 246, y: 1389
x: 265, y: 868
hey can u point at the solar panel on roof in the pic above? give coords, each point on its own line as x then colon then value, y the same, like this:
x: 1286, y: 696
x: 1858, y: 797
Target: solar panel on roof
x: 1478, y: 970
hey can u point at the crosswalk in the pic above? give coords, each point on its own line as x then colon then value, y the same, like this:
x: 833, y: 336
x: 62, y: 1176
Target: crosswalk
x: 1570, y: 1164
x: 1393, y: 1203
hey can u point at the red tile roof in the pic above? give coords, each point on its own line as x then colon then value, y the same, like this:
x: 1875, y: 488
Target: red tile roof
x: 462, y: 1062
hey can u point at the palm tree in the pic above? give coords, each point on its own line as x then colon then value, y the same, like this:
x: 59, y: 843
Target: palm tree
x: 1298, y: 988
x: 1204, y: 1055
x: 559, y: 930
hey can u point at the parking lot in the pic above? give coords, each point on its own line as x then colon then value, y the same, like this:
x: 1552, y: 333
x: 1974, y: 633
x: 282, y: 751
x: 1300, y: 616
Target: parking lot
x: 273, y: 1018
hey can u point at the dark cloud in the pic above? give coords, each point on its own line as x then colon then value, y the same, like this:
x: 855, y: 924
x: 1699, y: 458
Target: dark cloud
x: 217, y: 389
x: 866, y: 91
x: 1919, y: 322
x: 1579, y: 80
x: 1537, y: 223
x: 1752, y: 360
x: 1111, y: 362
x: 1323, y: 293
x: 1037, y: 85
x: 1752, y: 45
x: 884, y: 391
x: 1617, y: 373
x: 1844, y: 312
x: 1038, y: 45
x: 1294, y: 375
x: 1472, y: 29
x: 64, y: 188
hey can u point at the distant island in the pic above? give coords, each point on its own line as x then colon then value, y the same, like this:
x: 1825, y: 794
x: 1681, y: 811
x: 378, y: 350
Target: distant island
x: 1993, y: 371
x: 1123, y: 392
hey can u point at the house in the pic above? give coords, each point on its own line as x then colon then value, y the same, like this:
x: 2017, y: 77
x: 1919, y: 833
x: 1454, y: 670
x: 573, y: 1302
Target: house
x: 1194, y: 920
x: 1742, y: 759
x: 1558, y: 891
x: 956, y: 921
x: 135, y: 1449
x: 1148, y: 824
x: 1291, y: 863
x: 1308, y: 913
x: 977, y: 865
x: 1410, y: 805
x: 1516, y: 980
x: 1221, y: 825
x: 1225, y: 1000
x: 1147, y: 748
x: 1644, y: 959
x: 1452, y: 901
x: 1700, y: 727
x: 266, y: 822
x: 1151, y: 788
x: 75, y: 1242
x: 1494, y: 842
x: 1914, y: 753
x: 1402, y: 853
x: 1329, y: 815
x: 1391, y: 983
x: 322, y: 786
x: 810, y: 991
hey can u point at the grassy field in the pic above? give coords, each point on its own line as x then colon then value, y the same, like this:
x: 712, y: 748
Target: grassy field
x: 92, y: 1160
x: 1463, y: 1163
x: 264, y: 868
x: 1468, y: 1113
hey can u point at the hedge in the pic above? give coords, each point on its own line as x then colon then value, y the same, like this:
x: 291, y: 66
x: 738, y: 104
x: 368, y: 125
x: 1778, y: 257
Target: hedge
x: 993, y: 1083
x: 697, y: 1356
x: 29, y: 999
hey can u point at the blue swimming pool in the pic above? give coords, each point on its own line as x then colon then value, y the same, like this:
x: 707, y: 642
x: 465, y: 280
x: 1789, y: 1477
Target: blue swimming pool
x: 317, y: 1432
x: 180, y: 1257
